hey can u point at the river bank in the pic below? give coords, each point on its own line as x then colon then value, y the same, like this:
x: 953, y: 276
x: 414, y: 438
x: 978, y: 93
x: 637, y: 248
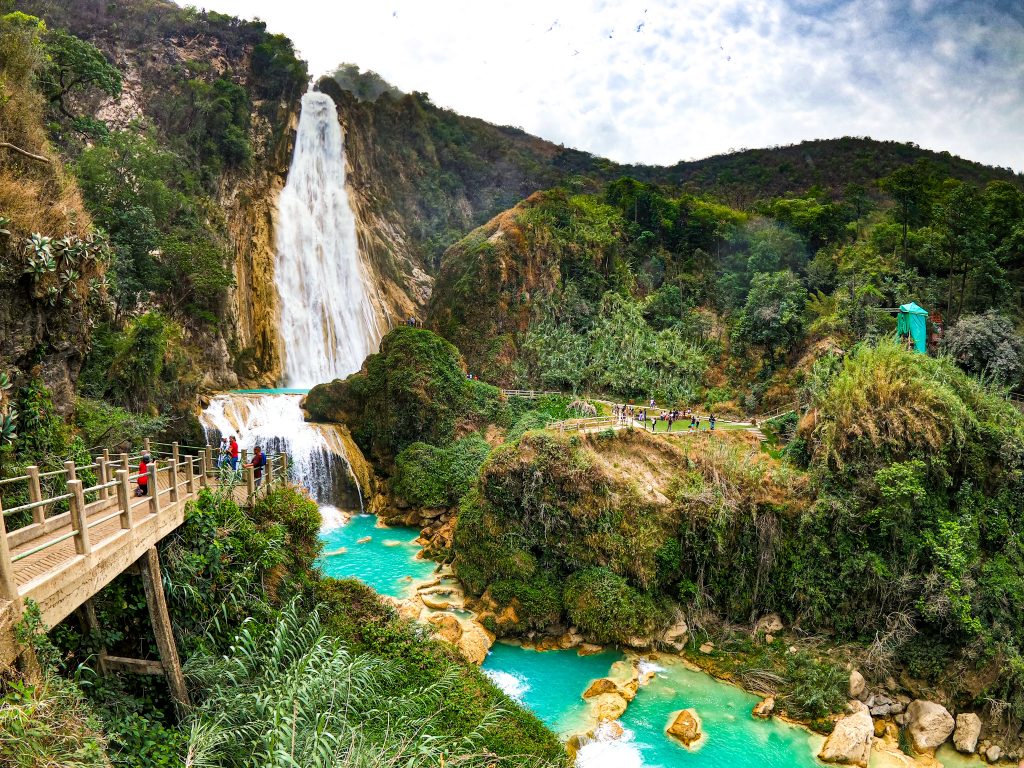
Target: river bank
x: 551, y: 682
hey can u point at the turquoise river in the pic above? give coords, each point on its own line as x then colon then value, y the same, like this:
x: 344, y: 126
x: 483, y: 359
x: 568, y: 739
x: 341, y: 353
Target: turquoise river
x: 550, y: 683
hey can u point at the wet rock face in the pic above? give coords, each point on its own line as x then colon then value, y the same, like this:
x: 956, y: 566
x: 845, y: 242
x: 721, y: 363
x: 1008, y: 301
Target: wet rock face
x: 850, y: 740
x: 764, y: 708
x: 929, y: 725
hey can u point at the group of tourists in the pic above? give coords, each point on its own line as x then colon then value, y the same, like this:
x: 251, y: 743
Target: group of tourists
x: 227, y: 456
x: 626, y: 414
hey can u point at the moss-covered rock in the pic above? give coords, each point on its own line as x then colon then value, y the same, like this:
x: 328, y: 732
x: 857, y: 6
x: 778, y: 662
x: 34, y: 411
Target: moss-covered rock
x: 414, y: 390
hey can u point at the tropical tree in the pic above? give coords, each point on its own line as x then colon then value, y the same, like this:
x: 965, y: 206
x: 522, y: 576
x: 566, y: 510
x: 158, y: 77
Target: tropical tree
x: 73, y: 66
x: 987, y: 345
x: 773, y: 314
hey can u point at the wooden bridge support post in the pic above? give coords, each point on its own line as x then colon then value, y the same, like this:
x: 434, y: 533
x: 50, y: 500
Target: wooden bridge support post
x: 8, y: 587
x: 203, y: 469
x: 154, y: 491
x: 149, y: 568
x: 284, y: 467
x: 124, y: 498
x: 250, y: 482
x: 269, y: 479
x: 124, y: 462
x: 69, y: 469
x: 35, y: 493
x: 82, y: 544
x: 210, y: 466
x: 190, y: 475
x: 92, y: 627
x: 145, y: 446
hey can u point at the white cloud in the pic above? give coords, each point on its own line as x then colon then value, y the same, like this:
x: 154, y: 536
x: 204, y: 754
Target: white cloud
x: 657, y: 81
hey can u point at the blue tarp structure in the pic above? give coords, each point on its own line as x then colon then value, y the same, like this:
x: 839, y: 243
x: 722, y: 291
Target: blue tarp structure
x: 911, y: 321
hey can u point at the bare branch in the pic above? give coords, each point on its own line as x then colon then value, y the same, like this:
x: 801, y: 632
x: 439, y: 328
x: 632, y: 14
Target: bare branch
x: 25, y: 152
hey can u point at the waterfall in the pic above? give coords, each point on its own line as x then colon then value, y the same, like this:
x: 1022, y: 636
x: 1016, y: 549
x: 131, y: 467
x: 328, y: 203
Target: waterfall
x: 275, y: 423
x: 328, y: 323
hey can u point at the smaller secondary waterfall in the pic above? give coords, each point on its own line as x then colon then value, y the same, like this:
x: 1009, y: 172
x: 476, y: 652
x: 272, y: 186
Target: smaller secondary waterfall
x: 275, y: 422
x: 328, y: 323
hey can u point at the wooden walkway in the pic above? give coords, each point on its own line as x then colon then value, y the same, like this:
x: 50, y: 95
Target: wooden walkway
x: 61, y: 560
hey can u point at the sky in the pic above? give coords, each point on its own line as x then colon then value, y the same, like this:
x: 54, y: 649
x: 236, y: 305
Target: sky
x: 658, y: 81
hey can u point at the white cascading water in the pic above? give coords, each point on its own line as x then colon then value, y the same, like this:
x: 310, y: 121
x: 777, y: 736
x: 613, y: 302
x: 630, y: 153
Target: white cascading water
x: 328, y: 322
x: 275, y: 423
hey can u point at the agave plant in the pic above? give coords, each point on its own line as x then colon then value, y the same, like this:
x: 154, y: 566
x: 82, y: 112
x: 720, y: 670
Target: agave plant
x: 8, y: 416
x: 69, y: 276
x: 52, y: 296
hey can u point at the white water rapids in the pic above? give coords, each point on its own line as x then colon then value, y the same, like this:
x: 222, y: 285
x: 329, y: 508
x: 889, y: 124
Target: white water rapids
x: 328, y: 321
x: 316, y: 453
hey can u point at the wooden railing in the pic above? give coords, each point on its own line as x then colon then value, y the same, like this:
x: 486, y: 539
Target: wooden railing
x: 528, y: 394
x: 180, y: 474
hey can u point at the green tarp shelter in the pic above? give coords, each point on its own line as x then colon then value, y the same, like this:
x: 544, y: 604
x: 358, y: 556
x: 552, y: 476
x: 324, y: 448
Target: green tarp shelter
x: 911, y: 320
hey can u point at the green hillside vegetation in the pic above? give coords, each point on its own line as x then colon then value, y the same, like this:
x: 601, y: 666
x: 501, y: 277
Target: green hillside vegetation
x: 889, y: 524
x: 285, y: 667
x: 636, y: 291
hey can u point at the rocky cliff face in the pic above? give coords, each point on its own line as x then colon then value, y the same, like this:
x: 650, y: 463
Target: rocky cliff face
x: 162, y: 51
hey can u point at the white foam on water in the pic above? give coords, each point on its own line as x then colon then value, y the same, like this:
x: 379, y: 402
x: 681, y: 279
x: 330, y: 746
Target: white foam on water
x: 328, y: 321
x: 646, y: 667
x: 275, y: 422
x: 332, y: 518
x: 607, y: 751
x: 512, y: 684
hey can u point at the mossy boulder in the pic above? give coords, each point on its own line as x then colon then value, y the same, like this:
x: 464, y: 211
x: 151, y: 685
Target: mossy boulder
x: 414, y: 390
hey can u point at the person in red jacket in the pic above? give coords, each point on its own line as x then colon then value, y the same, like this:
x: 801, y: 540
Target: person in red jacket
x: 143, y: 480
x: 234, y: 451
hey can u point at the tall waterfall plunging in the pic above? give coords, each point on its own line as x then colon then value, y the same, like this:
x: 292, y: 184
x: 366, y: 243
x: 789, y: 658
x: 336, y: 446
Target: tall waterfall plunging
x: 328, y: 321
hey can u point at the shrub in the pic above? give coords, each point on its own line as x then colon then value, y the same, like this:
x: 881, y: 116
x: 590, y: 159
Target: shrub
x: 428, y: 476
x: 607, y: 608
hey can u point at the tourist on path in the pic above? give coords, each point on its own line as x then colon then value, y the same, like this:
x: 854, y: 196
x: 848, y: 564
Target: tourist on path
x: 222, y: 455
x: 259, y: 461
x: 143, y: 479
x: 234, y: 451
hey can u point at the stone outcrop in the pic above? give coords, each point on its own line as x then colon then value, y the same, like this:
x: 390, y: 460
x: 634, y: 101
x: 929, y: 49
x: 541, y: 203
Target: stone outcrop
x: 600, y: 687
x: 850, y: 740
x: 929, y: 725
x: 475, y: 642
x: 608, y: 706
x: 446, y: 627
x: 967, y: 733
x: 771, y: 624
x: 856, y: 684
x: 685, y: 727
x: 675, y: 637
x: 764, y: 708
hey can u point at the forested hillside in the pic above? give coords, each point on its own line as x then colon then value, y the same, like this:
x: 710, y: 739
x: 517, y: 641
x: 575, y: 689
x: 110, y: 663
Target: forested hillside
x: 634, y: 289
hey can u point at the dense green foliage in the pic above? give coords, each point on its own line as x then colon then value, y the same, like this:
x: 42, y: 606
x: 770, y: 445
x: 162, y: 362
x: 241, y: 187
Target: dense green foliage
x: 325, y: 668
x: 637, y: 290
x: 414, y: 390
x: 428, y: 476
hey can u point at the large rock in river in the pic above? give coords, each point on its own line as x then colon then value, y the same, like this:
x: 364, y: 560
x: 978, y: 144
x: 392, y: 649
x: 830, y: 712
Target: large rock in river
x: 475, y: 642
x: 928, y: 725
x: 685, y: 727
x: 601, y: 686
x: 608, y: 706
x: 968, y: 730
x: 850, y: 740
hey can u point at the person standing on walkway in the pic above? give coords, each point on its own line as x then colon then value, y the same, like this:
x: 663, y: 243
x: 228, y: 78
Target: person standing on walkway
x: 234, y: 451
x: 222, y: 454
x: 711, y: 421
x: 143, y: 479
x: 259, y: 461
